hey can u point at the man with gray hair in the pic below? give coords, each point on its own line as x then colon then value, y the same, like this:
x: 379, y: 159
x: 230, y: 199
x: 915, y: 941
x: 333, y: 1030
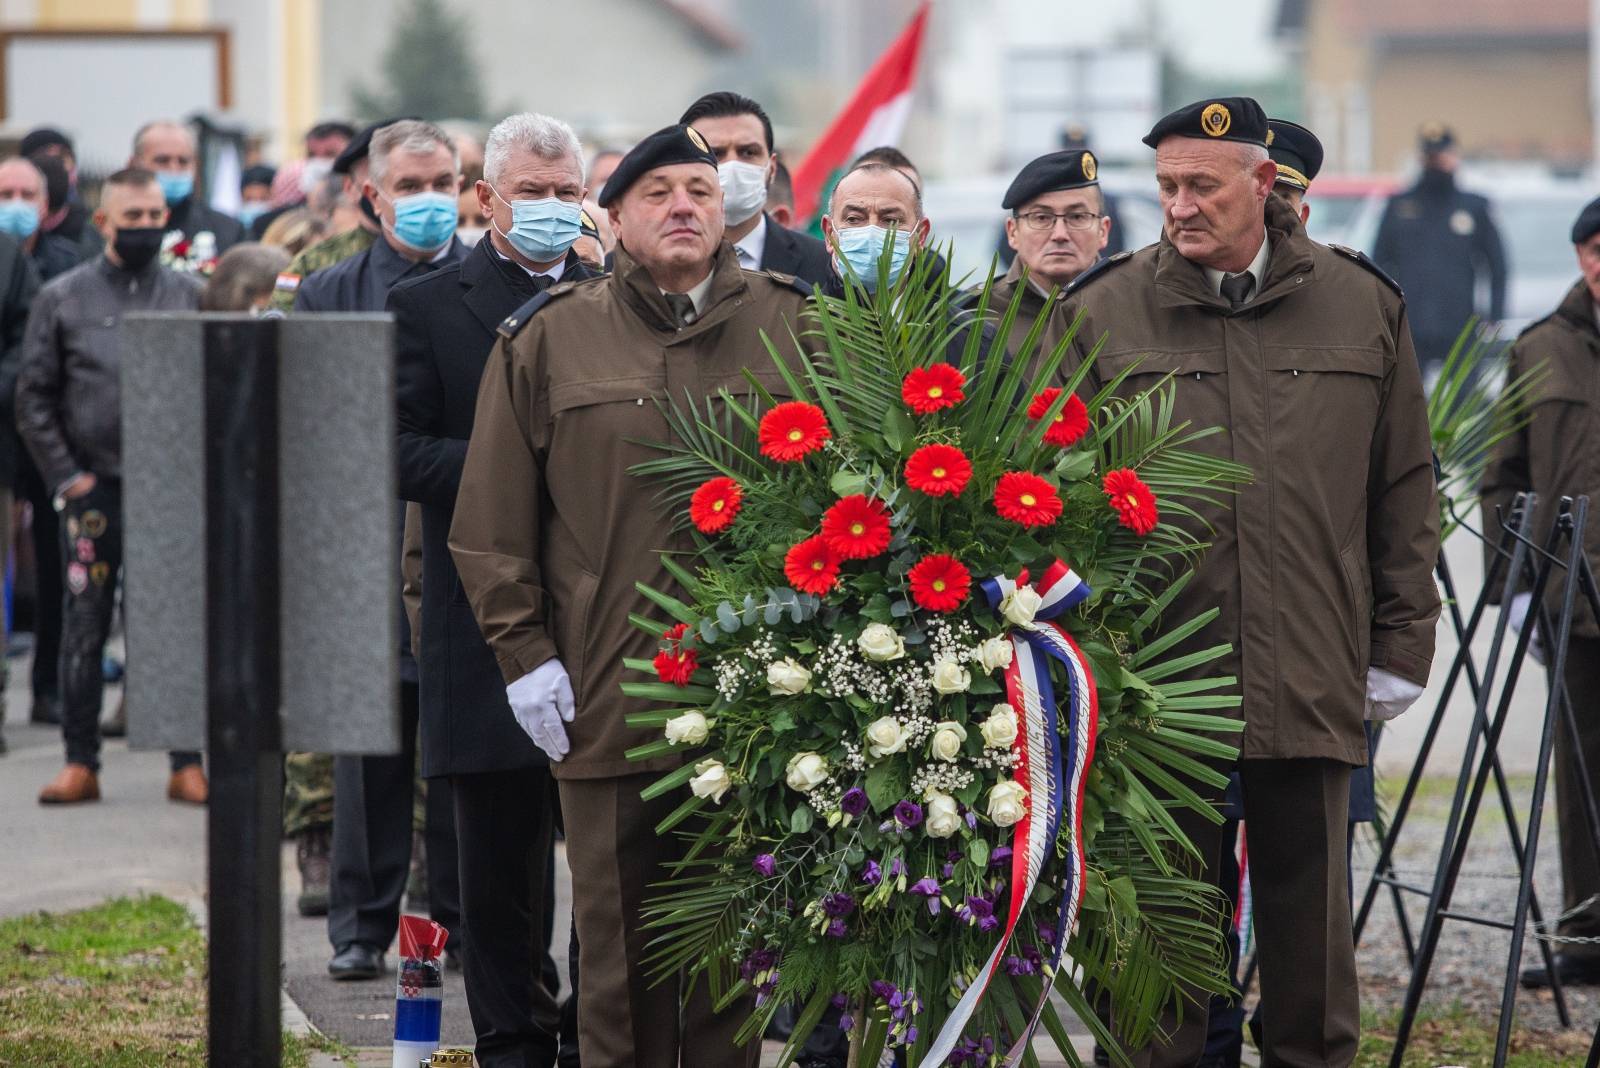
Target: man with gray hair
x: 412, y: 180
x: 1321, y: 566
x: 167, y: 149
x: 445, y: 324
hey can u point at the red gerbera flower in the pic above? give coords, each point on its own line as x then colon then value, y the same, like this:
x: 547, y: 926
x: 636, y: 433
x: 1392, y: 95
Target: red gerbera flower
x: 939, y: 582
x: 1023, y: 497
x: 1071, y: 422
x: 856, y: 527
x: 792, y: 430
x: 714, y: 505
x: 674, y: 663
x: 927, y: 389
x: 938, y: 470
x: 1132, y: 500
x: 812, y: 567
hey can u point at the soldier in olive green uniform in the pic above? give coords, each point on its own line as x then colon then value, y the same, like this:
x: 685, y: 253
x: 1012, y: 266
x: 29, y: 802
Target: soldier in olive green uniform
x: 1058, y: 228
x: 308, y: 777
x: 551, y: 534
x: 1322, y: 565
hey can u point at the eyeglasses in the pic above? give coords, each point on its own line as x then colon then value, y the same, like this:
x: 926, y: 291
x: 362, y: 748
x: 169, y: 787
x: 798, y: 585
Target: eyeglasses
x: 1046, y: 220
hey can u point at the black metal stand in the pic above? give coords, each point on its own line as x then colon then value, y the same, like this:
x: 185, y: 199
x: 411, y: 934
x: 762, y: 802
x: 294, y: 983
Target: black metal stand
x: 245, y: 812
x: 1569, y: 529
x: 1383, y: 872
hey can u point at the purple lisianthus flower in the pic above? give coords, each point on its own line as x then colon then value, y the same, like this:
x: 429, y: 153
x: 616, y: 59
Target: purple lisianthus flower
x: 765, y: 865
x: 837, y: 929
x: 928, y: 887
x: 897, y: 868
x: 847, y: 1023
x: 1047, y: 934
x: 908, y: 814
x: 883, y: 989
x: 839, y: 1001
x: 1000, y: 857
x: 854, y: 801
x: 872, y: 875
x: 911, y: 1035
x: 838, y: 904
x: 1018, y: 966
x: 756, y: 962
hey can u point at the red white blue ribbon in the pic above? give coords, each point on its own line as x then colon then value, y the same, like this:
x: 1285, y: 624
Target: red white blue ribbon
x: 1053, y: 754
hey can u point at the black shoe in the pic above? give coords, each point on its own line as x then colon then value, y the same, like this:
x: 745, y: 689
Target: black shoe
x: 1574, y: 971
x: 46, y: 712
x: 356, y: 961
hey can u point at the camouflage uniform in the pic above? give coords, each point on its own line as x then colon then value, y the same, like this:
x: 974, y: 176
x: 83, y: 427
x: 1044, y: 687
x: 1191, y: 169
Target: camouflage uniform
x: 324, y: 253
x: 308, y: 777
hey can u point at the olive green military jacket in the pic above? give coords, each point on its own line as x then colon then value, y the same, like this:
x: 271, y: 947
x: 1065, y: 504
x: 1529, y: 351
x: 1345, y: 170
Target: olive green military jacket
x: 1323, y: 565
x: 324, y: 253
x: 551, y: 532
x: 1557, y: 454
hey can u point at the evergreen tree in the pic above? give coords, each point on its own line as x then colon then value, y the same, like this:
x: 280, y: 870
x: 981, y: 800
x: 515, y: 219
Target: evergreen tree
x: 428, y: 68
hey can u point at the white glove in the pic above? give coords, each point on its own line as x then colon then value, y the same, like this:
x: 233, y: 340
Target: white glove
x: 1389, y: 695
x: 1520, y: 605
x: 542, y: 701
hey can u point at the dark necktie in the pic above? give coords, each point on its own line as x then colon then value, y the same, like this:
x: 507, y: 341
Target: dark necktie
x: 682, y: 308
x: 1237, y: 287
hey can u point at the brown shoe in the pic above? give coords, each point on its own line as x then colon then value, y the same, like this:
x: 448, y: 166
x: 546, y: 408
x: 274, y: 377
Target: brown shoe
x: 313, y: 854
x: 74, y: 784
x: 188, y: 784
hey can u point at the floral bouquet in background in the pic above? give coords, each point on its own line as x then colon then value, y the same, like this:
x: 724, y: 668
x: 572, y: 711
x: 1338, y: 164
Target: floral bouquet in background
x: 933, y: 749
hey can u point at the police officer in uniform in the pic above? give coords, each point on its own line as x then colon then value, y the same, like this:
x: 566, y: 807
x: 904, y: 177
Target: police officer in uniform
x: 551, y: 534
x: 445, y: 326
x: 1440, y: 244
x: 1058, y: 229
x: 413, y: 177
x: 1557, y: 454
x: 1321, y: 566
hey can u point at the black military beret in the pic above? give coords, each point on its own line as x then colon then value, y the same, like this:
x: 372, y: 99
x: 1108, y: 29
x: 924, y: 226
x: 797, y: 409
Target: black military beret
x: 361, y: 144
x: 257, y: 175
x: 1588, y: 223
x: 586, y: 226
x: 1435, y: 137
x: 1228, y: 118
x: 43, y: 137
x: 672, y: 144
x: 1071, y: 169
x: 1295, y: 150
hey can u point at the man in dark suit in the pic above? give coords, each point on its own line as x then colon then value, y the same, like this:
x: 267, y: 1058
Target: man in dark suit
x: 445, y: 324
x: 169, y: 150
x: 740, y: 134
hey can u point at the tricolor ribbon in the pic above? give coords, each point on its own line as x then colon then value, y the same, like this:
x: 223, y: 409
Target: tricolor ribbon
x: 1053, y: 753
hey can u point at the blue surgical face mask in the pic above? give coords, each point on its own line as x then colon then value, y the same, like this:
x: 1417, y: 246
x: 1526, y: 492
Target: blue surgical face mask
x: 541, y: 230
x: 18, y: 218
x: 424, y: 221
x: 861, y: 247
x: 251, y: 210
x: 176, y: 186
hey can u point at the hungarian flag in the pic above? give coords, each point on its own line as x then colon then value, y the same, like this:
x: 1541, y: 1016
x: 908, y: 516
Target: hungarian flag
x: 876, y: 115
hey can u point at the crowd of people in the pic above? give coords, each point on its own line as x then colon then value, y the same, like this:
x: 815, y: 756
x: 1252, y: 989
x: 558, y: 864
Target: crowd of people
x: 541, y: 299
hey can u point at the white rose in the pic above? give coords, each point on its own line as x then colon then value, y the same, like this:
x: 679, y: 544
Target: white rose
x: 1020, y: 605
x: 786, y: 676
x: 943, y: 816
x: 1008, y: 802
x: 947, y: 738
x: 711, y: 780
x: 806, y: 771
x: 1000, y: 729
x: 880, y: 642
x: 949, y: 676
x: 690, y: 728
x: 886, y: 736
x: 993, y: 653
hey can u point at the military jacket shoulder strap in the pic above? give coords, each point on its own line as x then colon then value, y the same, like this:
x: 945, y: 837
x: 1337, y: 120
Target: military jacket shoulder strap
x: 1362, y: 258
x: 514, y: 323
x: 1100, y: 267
x: 789, y: 281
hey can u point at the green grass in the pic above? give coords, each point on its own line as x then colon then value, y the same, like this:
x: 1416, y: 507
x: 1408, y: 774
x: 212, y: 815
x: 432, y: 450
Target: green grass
x: 1456, y: 1036
x: 121, y: 985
